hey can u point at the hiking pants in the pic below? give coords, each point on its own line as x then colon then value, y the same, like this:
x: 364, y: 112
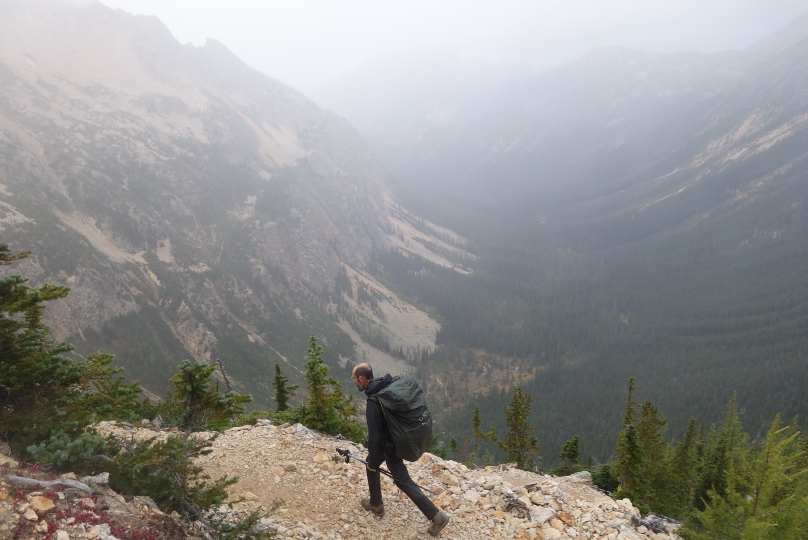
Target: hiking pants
x: 397, y: 468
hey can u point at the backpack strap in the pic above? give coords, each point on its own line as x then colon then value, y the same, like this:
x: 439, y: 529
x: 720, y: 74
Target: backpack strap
x: 384, y: 415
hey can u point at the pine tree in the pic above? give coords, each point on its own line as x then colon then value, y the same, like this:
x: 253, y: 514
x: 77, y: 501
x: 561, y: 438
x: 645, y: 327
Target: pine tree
x: 46, y: 398
x: 684, y: 468
x: 453, y: 445
x: 628, y: 414
x: 475, y: 423
x: 327, y: 408
x: 720, y: 451
x: 520, y: 445
x: 196, y: 403
x: 629, y: 462
x: 283, y: 390
x: 571, y: 452
x: 765, y: 494
x: 653, y: 485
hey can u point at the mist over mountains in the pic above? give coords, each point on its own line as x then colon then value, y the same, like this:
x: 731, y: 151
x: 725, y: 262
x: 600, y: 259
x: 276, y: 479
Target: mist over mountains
x: 635, y: 215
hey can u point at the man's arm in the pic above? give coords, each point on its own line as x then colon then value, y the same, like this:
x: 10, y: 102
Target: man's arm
x: 375, y: 421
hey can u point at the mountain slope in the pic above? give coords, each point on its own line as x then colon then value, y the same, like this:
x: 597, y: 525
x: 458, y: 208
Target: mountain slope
x: 196, y: 208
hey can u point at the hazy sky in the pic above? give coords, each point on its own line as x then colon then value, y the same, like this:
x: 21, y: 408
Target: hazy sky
x: 310, y: 43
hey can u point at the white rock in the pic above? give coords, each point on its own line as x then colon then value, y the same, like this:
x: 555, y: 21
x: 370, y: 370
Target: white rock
x: 99, y: 479
x: 583, y: 477
x: 537, y: 498
x: 471, y: 496
x: 549, y: 488
x: 541, y: 514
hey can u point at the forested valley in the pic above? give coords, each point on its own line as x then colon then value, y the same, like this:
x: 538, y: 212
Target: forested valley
x: 617, y: 231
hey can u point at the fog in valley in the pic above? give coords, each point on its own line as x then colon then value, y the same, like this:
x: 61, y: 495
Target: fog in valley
x: 550, y: 196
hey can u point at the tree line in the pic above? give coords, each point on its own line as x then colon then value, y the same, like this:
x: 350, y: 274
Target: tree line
x: 718, y: 481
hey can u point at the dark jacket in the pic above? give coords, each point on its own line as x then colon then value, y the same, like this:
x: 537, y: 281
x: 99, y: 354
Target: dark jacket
x: 379, y: 437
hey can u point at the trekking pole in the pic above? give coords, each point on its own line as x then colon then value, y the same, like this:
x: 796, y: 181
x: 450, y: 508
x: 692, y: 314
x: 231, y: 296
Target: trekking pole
x: 348, y: 455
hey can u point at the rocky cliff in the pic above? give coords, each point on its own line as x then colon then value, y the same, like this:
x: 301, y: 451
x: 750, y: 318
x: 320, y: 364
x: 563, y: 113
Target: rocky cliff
x: 319, y: 496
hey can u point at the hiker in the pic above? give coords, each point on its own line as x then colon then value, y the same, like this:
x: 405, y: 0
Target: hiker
x: 381, y: 449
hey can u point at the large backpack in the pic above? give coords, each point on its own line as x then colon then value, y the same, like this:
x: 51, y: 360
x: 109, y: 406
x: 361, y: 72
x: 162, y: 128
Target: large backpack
x: 404, y: 407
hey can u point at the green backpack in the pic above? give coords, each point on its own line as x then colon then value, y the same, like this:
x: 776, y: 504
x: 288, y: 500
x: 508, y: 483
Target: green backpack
x: 404, y: 407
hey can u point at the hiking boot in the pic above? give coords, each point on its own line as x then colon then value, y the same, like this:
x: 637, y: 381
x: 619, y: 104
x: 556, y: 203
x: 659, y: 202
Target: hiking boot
x: 440, y: 520
x: 378, y: 510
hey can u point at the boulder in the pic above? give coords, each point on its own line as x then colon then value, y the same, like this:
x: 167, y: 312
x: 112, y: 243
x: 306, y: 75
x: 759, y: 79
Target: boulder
x: 541, y: 514
x: 449, y: 479
x: 582, y: 477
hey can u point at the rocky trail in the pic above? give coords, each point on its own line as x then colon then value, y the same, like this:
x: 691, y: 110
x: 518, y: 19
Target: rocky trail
x: 317, y: 496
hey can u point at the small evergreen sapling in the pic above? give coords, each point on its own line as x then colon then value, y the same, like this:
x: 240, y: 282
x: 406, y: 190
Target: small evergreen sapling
x: 196, y: 404
x: 520, y: 445
x: 283, y: 390
x: 571, y: 452
x: 327, y: 409
x: 475, y: 423
x: 453, y: 445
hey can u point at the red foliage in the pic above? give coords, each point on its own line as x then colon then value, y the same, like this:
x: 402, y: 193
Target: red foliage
x: 89, y: 515
x: 23, y: 527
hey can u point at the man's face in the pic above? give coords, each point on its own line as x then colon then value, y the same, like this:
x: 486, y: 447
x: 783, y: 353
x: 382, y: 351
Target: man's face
x: 360, y: 382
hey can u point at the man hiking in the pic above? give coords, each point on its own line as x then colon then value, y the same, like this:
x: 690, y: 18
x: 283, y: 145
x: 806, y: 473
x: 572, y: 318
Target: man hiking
x: 381, y: 449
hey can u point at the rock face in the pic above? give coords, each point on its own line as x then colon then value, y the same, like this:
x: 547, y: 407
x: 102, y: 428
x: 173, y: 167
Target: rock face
x: 320, y: 497
x: 196, y: 208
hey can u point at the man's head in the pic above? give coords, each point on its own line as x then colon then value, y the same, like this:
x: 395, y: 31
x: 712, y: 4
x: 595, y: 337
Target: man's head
x: 361, y: 375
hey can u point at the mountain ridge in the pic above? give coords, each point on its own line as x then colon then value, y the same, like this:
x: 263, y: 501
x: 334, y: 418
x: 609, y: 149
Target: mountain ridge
x: 196, y: 207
